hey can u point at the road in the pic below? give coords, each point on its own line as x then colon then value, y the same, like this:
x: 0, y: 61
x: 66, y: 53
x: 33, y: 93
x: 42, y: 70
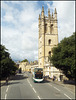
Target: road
x: 23, y: 87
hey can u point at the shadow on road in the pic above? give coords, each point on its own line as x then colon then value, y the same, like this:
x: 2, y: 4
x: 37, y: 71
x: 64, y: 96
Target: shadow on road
x: 71, y: 82
x: 16, y: 77
x: 12, y: 83
x: 19, y: 77
x: 46, y: 81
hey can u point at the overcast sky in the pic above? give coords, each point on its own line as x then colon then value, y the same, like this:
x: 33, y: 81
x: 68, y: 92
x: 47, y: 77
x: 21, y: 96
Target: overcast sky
x: 19, y: 25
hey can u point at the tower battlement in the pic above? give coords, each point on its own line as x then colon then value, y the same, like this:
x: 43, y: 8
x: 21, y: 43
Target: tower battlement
x: 48, y: 35
x: 47, y: 24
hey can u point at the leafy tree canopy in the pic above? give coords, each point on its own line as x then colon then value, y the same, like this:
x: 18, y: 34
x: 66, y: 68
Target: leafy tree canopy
x: 63, y: 56
x: 8, y: 66
x: 25, y: 60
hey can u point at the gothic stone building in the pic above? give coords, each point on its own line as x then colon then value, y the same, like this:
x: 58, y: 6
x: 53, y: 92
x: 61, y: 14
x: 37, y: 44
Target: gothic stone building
x: 48, y: 38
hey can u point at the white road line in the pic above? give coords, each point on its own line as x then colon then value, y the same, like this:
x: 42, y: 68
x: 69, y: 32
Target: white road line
x: 67, y: 96
x: 30, y: 85
x: 38, y: 97
x: 28, y: 80
x: 69, y: 90
x: 5, y: 96
x: 50, y: 84
x: 34, y: 90
x: 6, y: 89
x: 56, y: 88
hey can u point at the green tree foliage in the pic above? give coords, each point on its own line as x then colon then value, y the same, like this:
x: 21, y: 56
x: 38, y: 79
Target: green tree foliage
x: 8, y: 66
x: 25, y: 60
x: 64, y: 56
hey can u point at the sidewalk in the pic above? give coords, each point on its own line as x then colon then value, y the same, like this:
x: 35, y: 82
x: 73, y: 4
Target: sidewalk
x: 3, y: 82
x: 71, y: 87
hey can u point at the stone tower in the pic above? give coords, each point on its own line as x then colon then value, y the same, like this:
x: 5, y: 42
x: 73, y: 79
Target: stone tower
x: 48, y: 36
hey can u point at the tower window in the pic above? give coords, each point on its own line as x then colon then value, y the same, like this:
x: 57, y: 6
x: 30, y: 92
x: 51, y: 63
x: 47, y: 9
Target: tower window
x: 51, y: 28
x: 45, y: 28
x: 49, y: 53
x: 49, y: 41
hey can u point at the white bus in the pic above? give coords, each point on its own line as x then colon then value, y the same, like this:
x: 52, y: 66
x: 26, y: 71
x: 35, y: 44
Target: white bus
x: 38, y: 75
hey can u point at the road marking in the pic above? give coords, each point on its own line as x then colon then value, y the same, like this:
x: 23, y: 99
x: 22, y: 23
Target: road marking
x: 67, y: 96
x: 50, y: 84
x: 38, y: 97
x: 6, y: 89
x: 30, y: 85
x: 28, y: 81
x: 56, y: 88
x: 69, y: 90
x: 34, y: 90
x: 5, y: 96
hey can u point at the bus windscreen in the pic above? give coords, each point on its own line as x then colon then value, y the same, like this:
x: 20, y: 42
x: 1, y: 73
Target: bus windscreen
x: 38, y: 73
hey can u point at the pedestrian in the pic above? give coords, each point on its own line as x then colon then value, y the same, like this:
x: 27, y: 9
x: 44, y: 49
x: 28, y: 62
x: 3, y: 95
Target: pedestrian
x: 7, y: 81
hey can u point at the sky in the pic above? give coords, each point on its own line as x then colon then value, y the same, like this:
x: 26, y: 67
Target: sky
x: 19, y: 25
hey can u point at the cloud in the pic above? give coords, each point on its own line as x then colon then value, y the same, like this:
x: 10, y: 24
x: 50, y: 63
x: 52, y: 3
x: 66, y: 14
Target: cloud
x: 66, y: 17
x: 22, y: 37
x: 19, y: 25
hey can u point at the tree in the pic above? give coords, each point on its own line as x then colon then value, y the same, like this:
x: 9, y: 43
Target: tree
x: 64, y: 56
x: 8, y: 66
x: 25, y: 60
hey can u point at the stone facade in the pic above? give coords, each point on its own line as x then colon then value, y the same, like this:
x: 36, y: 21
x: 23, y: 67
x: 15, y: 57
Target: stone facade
x: 48, y: 36
x: 22, y: 65
x: 26, y: 66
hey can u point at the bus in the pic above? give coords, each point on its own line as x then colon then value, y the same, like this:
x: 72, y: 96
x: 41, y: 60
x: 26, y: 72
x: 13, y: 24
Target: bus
x: 38, y: 75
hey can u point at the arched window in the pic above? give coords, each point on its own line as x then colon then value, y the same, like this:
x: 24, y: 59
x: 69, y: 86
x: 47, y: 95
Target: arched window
x: 45, y: 28
x: 51, y: 28
x: 49, y: 53
x: 49, y: 41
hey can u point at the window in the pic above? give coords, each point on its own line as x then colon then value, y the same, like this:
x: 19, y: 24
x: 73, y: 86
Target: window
x: 51, y: 28
x: 49, y: 53
x: 49, y: 41
x: 45, y: 28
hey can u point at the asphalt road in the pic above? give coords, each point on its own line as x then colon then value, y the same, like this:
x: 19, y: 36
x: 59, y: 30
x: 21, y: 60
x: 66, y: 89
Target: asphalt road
x: 23, y: 87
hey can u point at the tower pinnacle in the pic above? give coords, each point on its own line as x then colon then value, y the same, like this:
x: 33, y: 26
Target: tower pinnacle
x: 42, y: 8
x: 48, y: 12
x: 42, y: 13
x: 52, y: 14
x: 55, y: 11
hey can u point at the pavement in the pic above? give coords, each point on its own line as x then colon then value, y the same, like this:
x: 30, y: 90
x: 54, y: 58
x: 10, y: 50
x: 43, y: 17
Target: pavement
x: 3, y: 82
x: 71, y: 87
